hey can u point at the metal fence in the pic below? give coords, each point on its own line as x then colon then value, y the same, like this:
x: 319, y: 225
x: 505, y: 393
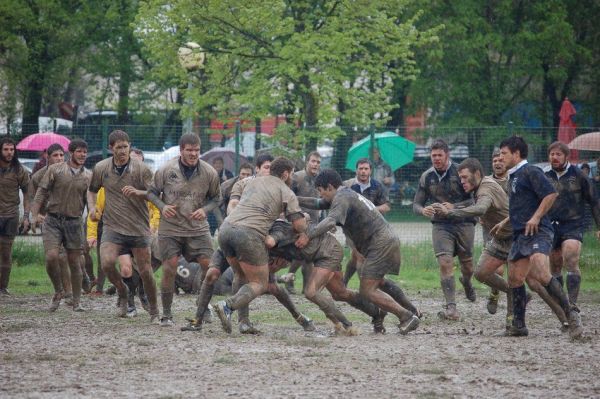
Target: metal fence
x: 159, y: 144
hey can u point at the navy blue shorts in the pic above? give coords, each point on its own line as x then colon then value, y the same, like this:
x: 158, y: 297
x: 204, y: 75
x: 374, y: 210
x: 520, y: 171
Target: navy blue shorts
x: 571, y: 230
x: 524, y: 246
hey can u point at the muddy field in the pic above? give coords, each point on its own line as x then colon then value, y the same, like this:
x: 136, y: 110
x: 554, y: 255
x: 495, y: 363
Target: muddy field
x: 96, y: 355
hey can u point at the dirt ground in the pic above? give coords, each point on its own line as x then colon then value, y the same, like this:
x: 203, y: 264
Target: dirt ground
x: 94, y: 354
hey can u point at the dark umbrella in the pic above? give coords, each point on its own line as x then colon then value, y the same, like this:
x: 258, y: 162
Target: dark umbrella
x: 227, y: 154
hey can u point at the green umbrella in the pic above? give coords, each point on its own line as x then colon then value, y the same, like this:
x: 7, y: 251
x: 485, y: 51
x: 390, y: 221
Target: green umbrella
x: 395, y: 150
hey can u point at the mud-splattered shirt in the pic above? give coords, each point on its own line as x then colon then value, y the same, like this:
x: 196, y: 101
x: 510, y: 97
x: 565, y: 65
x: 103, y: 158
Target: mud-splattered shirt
x: 11, y: 180
x: 574, y: 190
x: 187, y: 194
x: 445, y: 188
x: 263, y: 200
x: 63, y: 191
x: 491, y: 206
x: 375, y: 192
x: 239, y: 186
x: 34, y: 184
x: 303, y: 184
x: 528, y: 187
x: 318, y: 247
x: 502, y: 181
x: 226, y: 188
x: 124, y: 215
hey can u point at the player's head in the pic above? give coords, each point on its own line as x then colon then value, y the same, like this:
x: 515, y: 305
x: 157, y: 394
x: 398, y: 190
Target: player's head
x: 558, y: 155
x: 218, y: 163
x: 313, y: 163
x: 513, y: 149
x: 363, y: 170
x: 245, y: 170
x: 9, y: 151
x: 56, y: 154
x: 78, y: 149
x: 118, y: 142
x: 498, y: 163
x: 189, y: 149
x: 136, y: 153
x: 263, y: 164
x: 327, y: 182
x: 470, y: 172
x: 585, y: 168
x: 283, y: 168
x: 439, y: 154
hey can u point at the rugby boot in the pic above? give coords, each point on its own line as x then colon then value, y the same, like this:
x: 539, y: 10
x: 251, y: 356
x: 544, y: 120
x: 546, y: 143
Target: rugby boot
x: 408, y: 325
x: 224, y: 313
x: 86, y: 284
x: 208, y: 314
x: 167, y: 321
x: 512, y: 331
x: 469, y: 290
x: 573, y: 284
x: 377, y: 321
x: 78, y: 308
x: 492, y: 302
x: 131, y: 311
x: 575, y: 327
x: 246, y: 327
x: 55, y: 302
x: 122, y: 304
x: 340, y: 330
x: 305, y: 322
x: 145, y: 303
x: 193, y: 325
x: 112, y: 290
x: 451, y: 313
x: 68, y: 299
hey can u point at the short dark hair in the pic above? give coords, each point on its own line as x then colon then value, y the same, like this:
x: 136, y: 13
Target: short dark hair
x: 363, y: 160
x: 562, y: 147
x: 262, y: 158
x: 473, y: 165
x: 53, y: 148
x: 246, y: 165
x: 117, y: 135
x: 7, y: 140
x: 215, y: 159
x: 439, y: 144
x: 280, y: 165
x: 188, y: 139
x: 137, y: 151
x: 585, y: 166
x: 516, y: 143
x: 75, y: 144
x: 313, y: 154
x: 327, y: 177
x: 496, y: 153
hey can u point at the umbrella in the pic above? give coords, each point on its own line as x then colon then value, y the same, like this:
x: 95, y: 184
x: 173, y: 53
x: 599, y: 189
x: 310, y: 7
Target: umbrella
x: 227, y: 154
x: 586, y: 142
x: 41, y: 141
x: 566, y: 127
x: 395, y: 150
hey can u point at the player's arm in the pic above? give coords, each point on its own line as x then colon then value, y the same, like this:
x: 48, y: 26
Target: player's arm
x: 592, y: 198
x: 313, y: 203
x: 478, y: 209
x: 214, y: 195
x: 532, y: 225
x: 419, y: 203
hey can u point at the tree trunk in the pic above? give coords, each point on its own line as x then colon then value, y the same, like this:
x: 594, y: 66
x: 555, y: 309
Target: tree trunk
x: 310, y: 105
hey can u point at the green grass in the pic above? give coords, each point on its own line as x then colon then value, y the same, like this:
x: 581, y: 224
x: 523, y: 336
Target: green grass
x: 419, y: 269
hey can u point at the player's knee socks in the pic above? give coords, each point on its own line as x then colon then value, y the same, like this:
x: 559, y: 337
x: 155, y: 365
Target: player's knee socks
x: 204, y: 297
x: 331, y: 311
x: 150, y: 287
x: 393, y: 290
x: 285, y: 299
x: 76, y: 280
x: 243, y: 297
x: 555, y: 289
x: 359, y: 302
x: 559, y: 277
x: 131, y: 294
x: 519, y: 306
x: 573, y: 283
x: 350, y: 270
x: 509, y: 307
x: 448, y: 287
x: 167, y: 300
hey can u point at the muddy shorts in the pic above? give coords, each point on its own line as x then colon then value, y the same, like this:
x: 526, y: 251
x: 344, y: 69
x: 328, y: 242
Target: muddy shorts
x: 498, y: 248
x: 567, y: 231
x: 62, y: 231
x: 218, y: 261
x: 191, y: 248
x: 9, y: 226
x: 453, y: 239
x: 330, y: 254
x: 381, y: 258
x: 524, y: 246
x: 243, y: 243
x: 125, y: 241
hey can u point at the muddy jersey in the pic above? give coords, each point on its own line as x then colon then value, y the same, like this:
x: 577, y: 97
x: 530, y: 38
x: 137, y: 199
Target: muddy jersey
x: 441, y: 188
x: 239, y: 186
x: 34, y: 184
x: 12, y: 179
x: 63, y: 191
x: 226, y: 188
x: 491, y: 206
x: 360, y: 220
x: 188, y: 195
x: 318, y: 247
x: 264, y: 199
x: 528, y: 187
x: 303, y: 184
x: 574, y: 190
x: 502, y: 181
x: 122, y: 214
x: 375, y: 192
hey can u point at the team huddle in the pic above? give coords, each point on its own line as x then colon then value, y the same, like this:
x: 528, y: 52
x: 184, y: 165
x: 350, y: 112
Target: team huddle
x: 532, y: 221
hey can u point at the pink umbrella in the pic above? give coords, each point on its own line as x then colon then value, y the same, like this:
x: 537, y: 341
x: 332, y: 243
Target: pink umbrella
x: 41, y: 141
x: 566, y: 127
x: 586, y: 142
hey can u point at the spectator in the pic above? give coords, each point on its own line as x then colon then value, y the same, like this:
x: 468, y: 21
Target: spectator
x: 219, y: 166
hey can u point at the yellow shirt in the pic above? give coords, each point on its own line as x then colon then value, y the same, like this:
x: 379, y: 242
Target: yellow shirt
x: 92, y: 227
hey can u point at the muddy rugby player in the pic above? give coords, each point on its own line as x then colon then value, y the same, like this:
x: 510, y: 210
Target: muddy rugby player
x: 185, y: 189
x: 125, y: 218
x: 370, y: 233
x: 531, y: 197
x: 63, y: 192
x: 450, y: 237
